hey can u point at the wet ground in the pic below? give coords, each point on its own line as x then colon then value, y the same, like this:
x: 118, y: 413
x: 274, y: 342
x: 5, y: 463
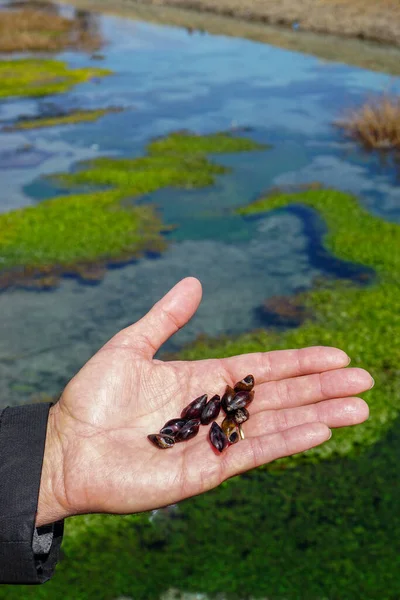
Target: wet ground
x: 166, y: 79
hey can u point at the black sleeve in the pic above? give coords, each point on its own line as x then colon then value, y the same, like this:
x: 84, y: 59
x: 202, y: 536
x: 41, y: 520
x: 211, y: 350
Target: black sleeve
x: 27, y: 554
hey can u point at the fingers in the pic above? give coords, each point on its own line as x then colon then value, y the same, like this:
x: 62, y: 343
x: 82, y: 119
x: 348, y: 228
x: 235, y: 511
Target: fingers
x: 166, y: 317
x: 309, y: 389
x: 256, y: 451
x: 280, y: 364
x: 339, y: 412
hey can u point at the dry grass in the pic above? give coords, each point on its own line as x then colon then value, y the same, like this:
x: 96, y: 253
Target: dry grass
x: 36, y: 30
x: 377, y: 20
x: 376, y: 124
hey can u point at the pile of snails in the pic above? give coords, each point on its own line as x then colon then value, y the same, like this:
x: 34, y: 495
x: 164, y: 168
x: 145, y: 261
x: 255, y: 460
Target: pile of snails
x: 234, y: 403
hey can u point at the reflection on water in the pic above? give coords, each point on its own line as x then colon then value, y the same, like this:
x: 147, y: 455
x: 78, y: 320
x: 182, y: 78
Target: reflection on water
x: 173, y: 80
x: 22, y: 157
x: 81, y: 32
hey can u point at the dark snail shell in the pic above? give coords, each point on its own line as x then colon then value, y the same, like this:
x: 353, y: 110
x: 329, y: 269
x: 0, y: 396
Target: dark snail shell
x: 188, y: 431
x: 172, y: 427
x: 245, y: 385
x: 195, y: 408
x: 211, y: 410
x: 240, y: 400
x: 227, y: 397
x: 217, y: 437
x: 234, y: 437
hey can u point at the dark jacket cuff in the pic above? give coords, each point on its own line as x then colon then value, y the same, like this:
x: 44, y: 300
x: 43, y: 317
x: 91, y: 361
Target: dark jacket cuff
x: 28, y: 555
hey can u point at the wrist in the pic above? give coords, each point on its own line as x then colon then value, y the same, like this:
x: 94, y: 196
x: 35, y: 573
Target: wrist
x: 52, y: 505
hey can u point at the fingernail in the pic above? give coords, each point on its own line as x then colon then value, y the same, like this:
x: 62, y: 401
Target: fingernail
x: 349, y: 361
x: 373, y: 383
x: 330, y: 434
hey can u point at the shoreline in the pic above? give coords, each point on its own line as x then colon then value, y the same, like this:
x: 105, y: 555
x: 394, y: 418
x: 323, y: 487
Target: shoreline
x: 361, y: 53
x: 374, y: 20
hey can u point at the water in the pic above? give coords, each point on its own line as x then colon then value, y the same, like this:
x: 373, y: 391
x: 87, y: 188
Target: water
x: 167, y: 80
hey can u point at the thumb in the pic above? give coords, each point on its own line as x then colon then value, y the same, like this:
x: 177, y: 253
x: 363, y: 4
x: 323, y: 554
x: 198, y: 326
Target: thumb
x: 166, y: 317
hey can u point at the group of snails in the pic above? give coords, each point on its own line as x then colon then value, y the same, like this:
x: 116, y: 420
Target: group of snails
x: 234, y: 403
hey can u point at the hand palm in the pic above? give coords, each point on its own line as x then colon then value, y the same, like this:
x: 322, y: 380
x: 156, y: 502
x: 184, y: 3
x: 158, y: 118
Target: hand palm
x: 122, y: 394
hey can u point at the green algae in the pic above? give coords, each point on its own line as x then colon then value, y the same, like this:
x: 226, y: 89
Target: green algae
x: 73, y: 231
x: 306, y: 534
x: 302, y: 534
x: 183, y: 143
x: 142, y: 176
x: 364, y: 321
x: 41, y: 77
x: 176, y: 160
x: 82, y: 232
x: 77, y: 116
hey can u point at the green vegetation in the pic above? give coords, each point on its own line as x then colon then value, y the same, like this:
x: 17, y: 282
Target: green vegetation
x: 363, y: 321
x: 77, y: 228
x: 183, y: 143
x: 178, y: 159
x: 80, y: 232
x: 328, y: 529
x: 144, y: 175
x: 41, y: 77
x: 77, y: 116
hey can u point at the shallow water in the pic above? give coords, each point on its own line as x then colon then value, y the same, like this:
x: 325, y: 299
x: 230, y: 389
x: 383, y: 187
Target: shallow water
x: 167, y: 79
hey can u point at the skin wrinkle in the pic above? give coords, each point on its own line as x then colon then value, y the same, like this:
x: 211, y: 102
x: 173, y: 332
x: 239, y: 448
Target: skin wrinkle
x: 58, y: 480
x: 323, y: 385
x: 257, y: 449
x: 299, y: 361
x: 283, y: 393
x: 176, y: 325
x: 321, y: 392
x: 143, y: 349
x: 281, y: 420
x: 286, y: 444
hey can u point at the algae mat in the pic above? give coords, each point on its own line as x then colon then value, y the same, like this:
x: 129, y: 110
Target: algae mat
x: 82, y: 233
x: 37, y: 78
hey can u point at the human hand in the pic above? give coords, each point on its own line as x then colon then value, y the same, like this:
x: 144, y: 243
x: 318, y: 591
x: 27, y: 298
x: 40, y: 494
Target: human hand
x: 98, y: 458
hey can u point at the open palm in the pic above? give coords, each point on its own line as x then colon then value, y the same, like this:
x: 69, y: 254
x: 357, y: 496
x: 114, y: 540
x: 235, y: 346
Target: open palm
x: 122, y: 394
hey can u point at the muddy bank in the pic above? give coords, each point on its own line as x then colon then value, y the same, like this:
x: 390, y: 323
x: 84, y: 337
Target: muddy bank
x: 350, y: 50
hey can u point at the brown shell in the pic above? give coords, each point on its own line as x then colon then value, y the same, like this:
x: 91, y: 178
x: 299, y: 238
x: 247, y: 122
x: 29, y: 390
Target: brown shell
x: 245, y: 385
x: 161, y: 441
x: 241, y: 415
